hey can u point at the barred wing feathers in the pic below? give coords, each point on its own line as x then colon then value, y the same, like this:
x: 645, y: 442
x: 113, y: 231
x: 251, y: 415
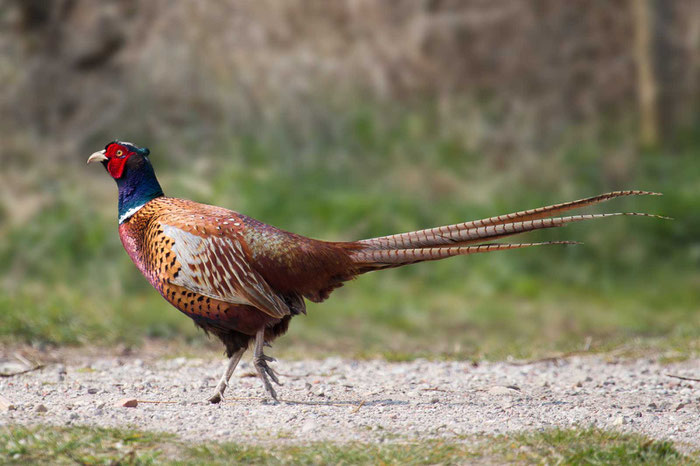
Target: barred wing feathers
x: 201, y: 249
x: 218, y: 267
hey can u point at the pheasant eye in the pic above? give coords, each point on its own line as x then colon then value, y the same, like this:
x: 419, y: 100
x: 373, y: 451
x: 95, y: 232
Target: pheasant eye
x: 120, y: 153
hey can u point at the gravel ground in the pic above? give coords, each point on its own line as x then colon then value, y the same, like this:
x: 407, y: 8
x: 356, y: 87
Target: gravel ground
x: 369, y: 401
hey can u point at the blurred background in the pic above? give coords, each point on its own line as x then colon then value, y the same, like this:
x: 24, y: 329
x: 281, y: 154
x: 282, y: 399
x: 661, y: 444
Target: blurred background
x: 355, y: 118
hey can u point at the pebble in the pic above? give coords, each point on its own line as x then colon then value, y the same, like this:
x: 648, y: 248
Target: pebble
x: 499, y: 390
x: 5, y: 404
x: 128, y: 403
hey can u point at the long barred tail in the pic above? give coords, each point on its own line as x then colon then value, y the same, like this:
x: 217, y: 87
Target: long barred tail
x: 385, y: 258
x: 454, y: 240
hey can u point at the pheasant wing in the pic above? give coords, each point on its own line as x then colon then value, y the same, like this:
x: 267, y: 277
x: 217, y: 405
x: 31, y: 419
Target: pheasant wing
x: 218, y: 267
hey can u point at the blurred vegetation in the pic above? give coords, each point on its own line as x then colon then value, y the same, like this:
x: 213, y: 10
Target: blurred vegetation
x: 66, y: 278
x: 342, y: 139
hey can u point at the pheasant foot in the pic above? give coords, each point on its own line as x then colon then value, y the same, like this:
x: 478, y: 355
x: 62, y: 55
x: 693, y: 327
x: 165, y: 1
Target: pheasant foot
x: 260, y: 361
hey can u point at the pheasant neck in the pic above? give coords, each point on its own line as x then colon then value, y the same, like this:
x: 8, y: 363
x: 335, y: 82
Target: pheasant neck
x: 136, y: 188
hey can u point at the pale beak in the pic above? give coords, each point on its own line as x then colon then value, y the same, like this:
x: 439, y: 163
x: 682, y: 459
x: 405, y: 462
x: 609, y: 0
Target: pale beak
x: 98, y: 156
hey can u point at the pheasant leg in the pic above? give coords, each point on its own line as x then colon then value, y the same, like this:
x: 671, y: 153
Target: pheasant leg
x: 260, y: 361
x: 223, y: 383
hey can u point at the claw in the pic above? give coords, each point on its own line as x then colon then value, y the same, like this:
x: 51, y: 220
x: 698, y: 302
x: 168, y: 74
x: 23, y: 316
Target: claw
x: 273, y: 375
x: 216, y: 398
x: 271, y: 391
x: 265, y: 371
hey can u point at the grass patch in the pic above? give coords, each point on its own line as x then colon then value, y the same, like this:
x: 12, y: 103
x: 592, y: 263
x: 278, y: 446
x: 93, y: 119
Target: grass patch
x: 84, y: 445
x: 80, y: 445
x: 589, y: 446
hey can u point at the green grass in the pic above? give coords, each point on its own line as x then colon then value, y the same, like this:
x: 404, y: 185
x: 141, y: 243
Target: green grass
x: 589, y: 446
x: 79, y: 445
x: 64, y: 278
x: 84, y: 445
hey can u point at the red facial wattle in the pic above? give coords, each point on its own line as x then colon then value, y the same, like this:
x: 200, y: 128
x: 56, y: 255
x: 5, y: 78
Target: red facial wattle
x: 117, y: 156
x: 115, y: 166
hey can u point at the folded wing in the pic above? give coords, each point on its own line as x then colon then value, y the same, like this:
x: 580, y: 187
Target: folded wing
x: 219, y: 267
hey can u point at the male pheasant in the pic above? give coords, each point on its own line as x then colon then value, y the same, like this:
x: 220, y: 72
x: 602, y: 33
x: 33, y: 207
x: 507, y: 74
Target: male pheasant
x: 243, y: 280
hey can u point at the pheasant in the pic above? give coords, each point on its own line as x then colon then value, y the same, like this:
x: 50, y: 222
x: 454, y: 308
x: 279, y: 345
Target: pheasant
x: 242, y: 280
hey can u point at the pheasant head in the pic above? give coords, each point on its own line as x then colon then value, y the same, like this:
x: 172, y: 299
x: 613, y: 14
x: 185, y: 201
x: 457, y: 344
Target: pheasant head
x: 132, y: 170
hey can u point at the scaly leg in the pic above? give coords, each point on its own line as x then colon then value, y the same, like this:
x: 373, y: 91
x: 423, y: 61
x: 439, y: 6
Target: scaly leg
x: 223, y: 383
x: 260, y: 361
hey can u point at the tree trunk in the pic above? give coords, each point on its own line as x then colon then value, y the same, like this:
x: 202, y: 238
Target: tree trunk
x: 647, y: 90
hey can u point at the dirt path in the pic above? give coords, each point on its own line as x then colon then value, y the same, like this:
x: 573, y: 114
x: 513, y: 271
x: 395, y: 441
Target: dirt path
x: 370, y: 401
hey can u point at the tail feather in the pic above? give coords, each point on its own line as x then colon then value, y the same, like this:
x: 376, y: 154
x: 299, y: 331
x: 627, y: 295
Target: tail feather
x: 469, y: 231
x: 458, y: 239
x: 487, y: 233
x: 372, y: 259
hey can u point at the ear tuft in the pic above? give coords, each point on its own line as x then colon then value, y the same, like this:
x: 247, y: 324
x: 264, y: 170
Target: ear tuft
x: 143, y: 151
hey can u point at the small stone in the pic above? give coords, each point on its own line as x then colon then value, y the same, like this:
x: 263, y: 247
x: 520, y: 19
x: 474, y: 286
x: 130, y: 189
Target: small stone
x: 500, y: 390
x: 92, y: 391
x: 5, y: 404
x: 620, y: 420
x: 73, y: 416
x: 680, y: 406
x: 41, y: 408
x: 128, y: 403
